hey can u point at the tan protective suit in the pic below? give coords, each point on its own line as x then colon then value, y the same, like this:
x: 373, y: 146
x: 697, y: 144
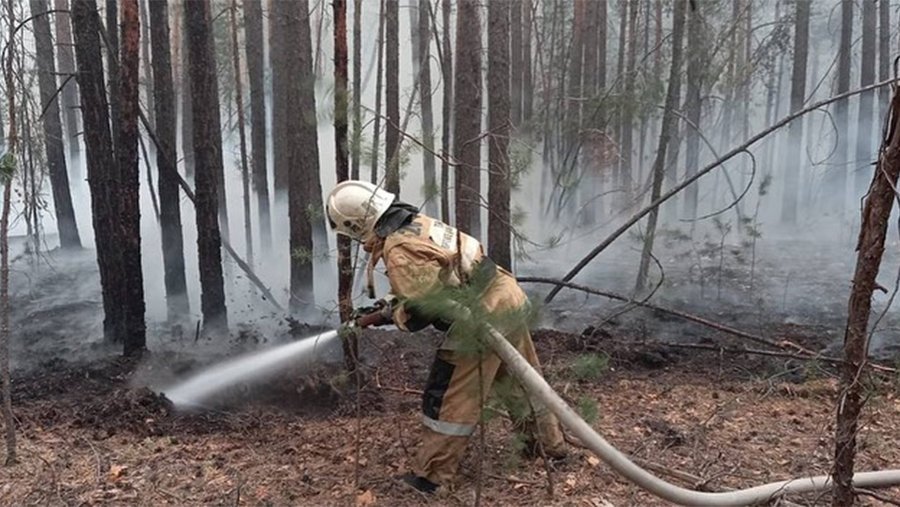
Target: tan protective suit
x: 425, y: 256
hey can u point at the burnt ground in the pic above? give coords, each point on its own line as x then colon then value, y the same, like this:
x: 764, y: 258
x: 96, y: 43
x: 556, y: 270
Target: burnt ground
x: 92, y: 433
x: 87, y: 437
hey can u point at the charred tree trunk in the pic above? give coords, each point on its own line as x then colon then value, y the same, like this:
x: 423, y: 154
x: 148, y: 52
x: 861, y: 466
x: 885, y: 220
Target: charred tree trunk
x: 207, y: 147
x: 129, y: 182
x: 432, y: 192
x: 467, y: 112
x: 392, y: 97
x: 53, y: 133
x: 836, y: 178
x: 527, y: 73
x: 795, y: 130
x: 499, y: 237
x: 242, y: 134
x: 356, y: 140
x: 253, y: 27
x: 446, y: 111
x: 864, y: 144
x: 101, y: 164
x: 666, y: 131
x: 573, y: 104
x: 9, y: 421
x: 693, y: 105
x: 68, y: 95
x: 303, y: 153
x: 515, y: 62
x: 870, y: 249
x: 187, y: 109
x: 345, y: 269
x: 379, y: 82
x: 169, y: 199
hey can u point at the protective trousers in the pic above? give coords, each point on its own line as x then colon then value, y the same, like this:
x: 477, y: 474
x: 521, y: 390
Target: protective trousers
x: 456, y: 390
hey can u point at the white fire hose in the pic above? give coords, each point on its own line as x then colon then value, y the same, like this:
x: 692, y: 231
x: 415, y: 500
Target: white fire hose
x: 537, y: 387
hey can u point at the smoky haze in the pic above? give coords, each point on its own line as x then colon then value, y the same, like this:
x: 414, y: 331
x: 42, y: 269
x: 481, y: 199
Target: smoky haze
x: 741, y: 265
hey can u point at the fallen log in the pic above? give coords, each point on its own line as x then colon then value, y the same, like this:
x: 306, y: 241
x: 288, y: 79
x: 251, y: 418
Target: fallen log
x: 801, y: 352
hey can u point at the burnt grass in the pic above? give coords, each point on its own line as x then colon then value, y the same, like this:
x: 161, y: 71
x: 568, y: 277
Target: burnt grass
x: 90, y: 436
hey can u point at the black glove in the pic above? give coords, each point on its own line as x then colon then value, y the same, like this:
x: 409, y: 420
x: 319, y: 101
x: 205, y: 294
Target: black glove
x: 379, y: 314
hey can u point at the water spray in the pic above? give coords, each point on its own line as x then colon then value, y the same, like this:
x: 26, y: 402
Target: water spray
x: 250, y: 367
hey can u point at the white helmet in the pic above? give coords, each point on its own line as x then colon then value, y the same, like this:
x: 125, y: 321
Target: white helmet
x: 354, y: 206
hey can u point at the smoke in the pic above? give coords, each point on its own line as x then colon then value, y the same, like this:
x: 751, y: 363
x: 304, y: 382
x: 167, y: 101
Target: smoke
x: 754, y: 273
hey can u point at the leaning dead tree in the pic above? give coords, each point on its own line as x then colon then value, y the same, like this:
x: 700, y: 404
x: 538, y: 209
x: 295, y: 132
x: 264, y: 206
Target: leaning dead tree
x: 870, y: 248
x: 702, y: 172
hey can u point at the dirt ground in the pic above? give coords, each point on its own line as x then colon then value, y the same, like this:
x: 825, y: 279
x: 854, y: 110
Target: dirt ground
x: 88, y: 437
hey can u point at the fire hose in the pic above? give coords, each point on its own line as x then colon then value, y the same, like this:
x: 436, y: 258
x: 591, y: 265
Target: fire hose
x: 540, y: 390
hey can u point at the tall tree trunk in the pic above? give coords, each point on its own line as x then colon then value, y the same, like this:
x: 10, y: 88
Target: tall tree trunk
x: 9, y: 421
x: 112, y: 68
x: 627, y: 126
x: 864, y: 144
x: 280, y: 54
x: 515, y: 62
x: 588, y: 188
x: 446, y: 110
x: 693, y: 105
x: 69, y: 92
x: 379, y: 91
x: 836, y: 178
x: 792, y: 163
x: 499, y: 237
x: 303, y: 157
x: 52, y: 128
x: 467, y: 112
x: 101, y: 164
x: 356, y: 139
x: 392, y: 97
x: 573, y: 104
x: 242, y: 134
x: 870, y: 249
x: 528, y: 84
x: 665, y: 133
x: 170, y: 202
x: 622, y: 92
x: 884, y: 54
x: 187, y: 109
x: 145, y: 58
x: 345, y: 269
x: 129, y: 182
x: 253, y: 28
x: 432, y: 192
x: 207, y: 147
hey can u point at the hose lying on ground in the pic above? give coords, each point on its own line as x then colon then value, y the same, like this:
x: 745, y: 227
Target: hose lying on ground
x: 537, y: 387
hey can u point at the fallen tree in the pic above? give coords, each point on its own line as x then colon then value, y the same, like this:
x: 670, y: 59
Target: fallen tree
x: 800, y: 351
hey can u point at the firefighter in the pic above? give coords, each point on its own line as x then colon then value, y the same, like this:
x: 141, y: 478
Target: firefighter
x: 422, y: 257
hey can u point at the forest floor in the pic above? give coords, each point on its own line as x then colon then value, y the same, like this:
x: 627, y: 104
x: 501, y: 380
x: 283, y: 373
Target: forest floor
x: 94, y: 430
x: 88, y: 436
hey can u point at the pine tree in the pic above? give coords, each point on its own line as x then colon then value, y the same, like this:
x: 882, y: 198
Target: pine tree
x: 467, y: 114
x: 52, y: 128
x: 253, y: 28
x: 499, y: 235
x: 166, y: 132
x: 207, y: 148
